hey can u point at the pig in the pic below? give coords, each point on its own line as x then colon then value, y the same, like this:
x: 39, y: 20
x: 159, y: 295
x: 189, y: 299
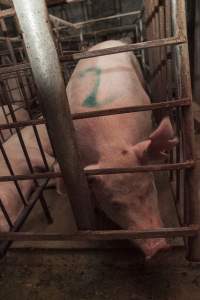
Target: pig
x: 8, y: 192
x: 21, y: 114
x: 124, y: 140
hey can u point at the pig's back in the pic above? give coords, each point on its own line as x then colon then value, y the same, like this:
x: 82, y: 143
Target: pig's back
x: 108, y: 82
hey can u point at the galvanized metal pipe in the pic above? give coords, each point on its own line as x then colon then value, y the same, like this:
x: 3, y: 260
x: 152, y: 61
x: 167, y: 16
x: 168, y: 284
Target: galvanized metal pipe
x: 34, y: 21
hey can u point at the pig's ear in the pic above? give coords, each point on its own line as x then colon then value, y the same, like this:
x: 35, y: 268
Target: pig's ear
x: 141, y: 151
x: 160, y: 141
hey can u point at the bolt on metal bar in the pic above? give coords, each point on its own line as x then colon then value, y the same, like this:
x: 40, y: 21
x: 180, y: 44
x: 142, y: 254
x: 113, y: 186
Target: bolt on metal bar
x: 38, y: 38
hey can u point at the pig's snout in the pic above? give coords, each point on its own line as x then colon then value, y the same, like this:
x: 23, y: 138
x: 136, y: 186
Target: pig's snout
x: 153, y: 246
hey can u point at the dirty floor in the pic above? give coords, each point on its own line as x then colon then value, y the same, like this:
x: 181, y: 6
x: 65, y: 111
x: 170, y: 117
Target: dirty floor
x: 97, y: 275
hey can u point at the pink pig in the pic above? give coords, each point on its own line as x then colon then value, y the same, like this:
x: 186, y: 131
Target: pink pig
x: 20, y: 113
x: 8, y: 191
x: 123, y: 140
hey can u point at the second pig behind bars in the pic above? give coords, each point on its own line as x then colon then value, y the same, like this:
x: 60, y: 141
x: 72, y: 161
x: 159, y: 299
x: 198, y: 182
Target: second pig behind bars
x: 120, y: 141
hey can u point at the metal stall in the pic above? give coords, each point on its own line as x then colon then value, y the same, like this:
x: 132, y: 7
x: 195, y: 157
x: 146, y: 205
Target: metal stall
x: 156, y: 31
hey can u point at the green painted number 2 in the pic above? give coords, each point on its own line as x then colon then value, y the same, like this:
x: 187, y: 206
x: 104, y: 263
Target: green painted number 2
x: 91, y: 99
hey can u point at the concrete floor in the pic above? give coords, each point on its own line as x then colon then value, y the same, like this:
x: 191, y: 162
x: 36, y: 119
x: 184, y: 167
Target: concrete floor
x: 97, y: 275
x: 30, y: 271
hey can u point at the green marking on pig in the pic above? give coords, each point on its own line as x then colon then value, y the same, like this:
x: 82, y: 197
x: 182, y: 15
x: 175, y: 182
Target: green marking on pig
x: 91, y: 99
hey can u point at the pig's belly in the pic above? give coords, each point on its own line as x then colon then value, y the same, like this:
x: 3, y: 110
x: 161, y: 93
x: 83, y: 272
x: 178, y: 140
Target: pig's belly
x: 110, y: 134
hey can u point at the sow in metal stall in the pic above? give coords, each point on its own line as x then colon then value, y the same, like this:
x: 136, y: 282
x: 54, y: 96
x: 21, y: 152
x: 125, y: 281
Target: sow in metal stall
x: 164, y: 58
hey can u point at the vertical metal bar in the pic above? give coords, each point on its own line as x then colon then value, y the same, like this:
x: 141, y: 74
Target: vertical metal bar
x: 46, y: 209
x: 191, y: 183
x: 38, y: 38
x: 8, y: 42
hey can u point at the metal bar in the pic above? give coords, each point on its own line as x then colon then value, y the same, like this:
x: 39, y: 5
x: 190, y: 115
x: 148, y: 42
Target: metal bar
x: 11, y: 12
x: 102, y: 235
x: 139, y: 169
x: 117, y: 29
x: 8, y: 40
x: 7, y: 13
x: 56, y: 21
x: 191, y: 176
x: 92, y: 21
x: 38, y: 38
x: 106, y: 112
x: 123, y: 110
x: 13, y: 69
x: 107, y: 51
x: 127, y: 48
x: 46, y: 209
x: 107, y: 171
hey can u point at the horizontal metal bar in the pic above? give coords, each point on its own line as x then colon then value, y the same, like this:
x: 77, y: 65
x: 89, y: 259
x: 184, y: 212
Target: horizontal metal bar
x: 7, y: 13
x: 124, y: 28
x: 56, y: 21
x: 106, y: 112
x: 126, y: 48
x: 92, y: 21
x: 139, y: 169
x: 30, y: 176
x: 130, y: 109
x: 15, y: 68
x: 22, y: 124
x: 90, y: 235
x: 11, y: 39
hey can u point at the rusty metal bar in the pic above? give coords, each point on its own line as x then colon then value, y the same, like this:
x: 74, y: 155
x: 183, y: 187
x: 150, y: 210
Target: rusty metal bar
x: 13, y: 69
x: 121, y: 15
x: 139, y: 169
x: 107, y: 171
x: 37, y: 33
x: 87, y: 54
x: 106, y: 112
x: 123, y: 110
x: 56, y: 21
x: 7, y: 13
x: 119, y: 49
x: 192, y: 200
x: 7, y: 40
x: 117, y: 29
x: 103, y: 235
